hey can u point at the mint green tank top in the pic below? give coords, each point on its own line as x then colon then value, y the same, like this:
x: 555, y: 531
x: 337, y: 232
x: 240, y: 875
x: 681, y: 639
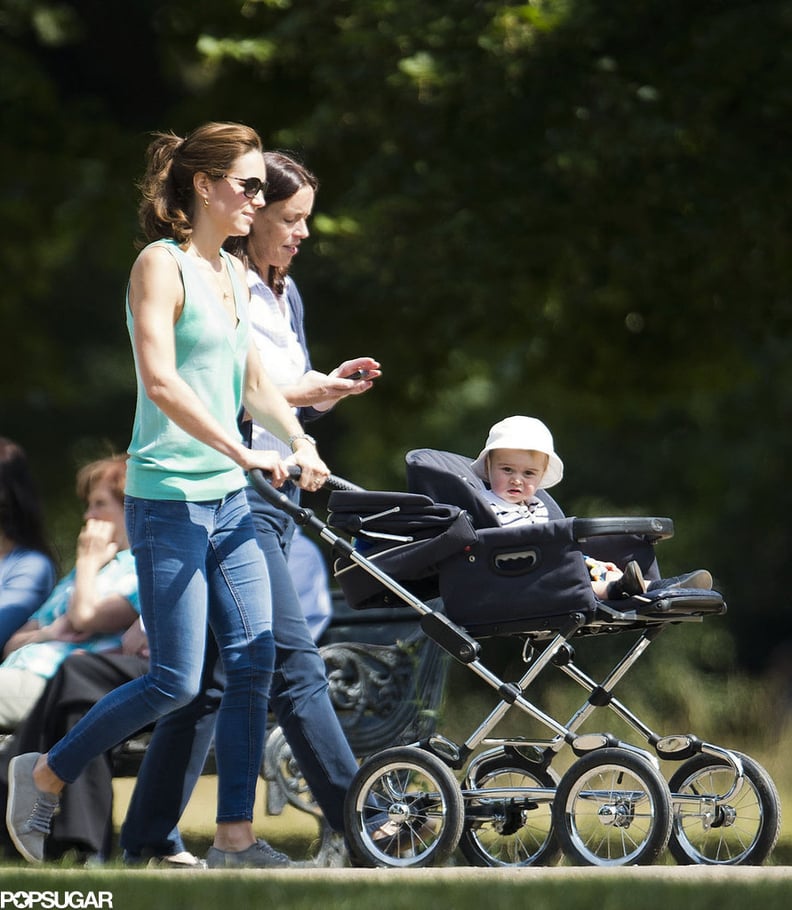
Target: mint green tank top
x: 166, y: 462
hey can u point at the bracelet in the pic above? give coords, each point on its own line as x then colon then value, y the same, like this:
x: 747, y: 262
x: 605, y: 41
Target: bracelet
x: 293, y: 439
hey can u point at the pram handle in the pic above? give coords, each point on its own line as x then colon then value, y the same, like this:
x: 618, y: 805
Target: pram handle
x: 301, y: 516
x: 650, y: 528
x: 333, y: 481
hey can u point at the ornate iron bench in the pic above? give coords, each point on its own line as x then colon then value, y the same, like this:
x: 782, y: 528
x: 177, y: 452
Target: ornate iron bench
x: 386, y: 683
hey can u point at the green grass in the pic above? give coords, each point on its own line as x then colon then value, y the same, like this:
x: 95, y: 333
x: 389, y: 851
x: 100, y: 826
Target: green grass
x: 394, y: 890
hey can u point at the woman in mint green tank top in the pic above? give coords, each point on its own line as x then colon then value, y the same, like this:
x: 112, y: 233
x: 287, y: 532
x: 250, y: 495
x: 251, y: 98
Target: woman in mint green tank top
x: 189, y: 525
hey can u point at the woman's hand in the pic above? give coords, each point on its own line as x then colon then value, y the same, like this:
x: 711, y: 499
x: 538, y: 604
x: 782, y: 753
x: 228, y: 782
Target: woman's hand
x: 95, y: 543
x: 321, y: 390
x: 269, y: 461
x: 61, y: 629
x: 314, y: 471
x: 135, y: 641
x: 366, y: 365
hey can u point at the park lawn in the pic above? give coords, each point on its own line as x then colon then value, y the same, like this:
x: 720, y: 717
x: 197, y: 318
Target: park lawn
x: 449, y: 888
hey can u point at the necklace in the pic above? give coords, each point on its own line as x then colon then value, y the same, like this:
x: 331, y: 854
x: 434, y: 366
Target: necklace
x: 222, y: 283
x: 219, y: 275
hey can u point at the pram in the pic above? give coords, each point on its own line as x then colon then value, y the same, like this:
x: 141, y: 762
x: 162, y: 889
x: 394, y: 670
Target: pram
x: 437, y: 549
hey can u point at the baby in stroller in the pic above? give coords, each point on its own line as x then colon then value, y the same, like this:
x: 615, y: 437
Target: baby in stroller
x: 521, y: 572
x: 518, y: 459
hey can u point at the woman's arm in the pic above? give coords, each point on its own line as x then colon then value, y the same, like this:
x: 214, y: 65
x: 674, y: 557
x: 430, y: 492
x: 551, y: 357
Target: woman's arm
x: 316, y: 393
x: 267, y: 406
x: 27, y: 579
x: 88, y: 612
x: 156, y: 297
x: 112, y: 614
x: 322, y: 391
x: 24, y: 635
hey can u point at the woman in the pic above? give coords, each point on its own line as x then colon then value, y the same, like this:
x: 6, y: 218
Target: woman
x: 89, y: 608
x: 300, y: 698
x: 27, y: 569
x: 187, y: 514
x: 299, y: 695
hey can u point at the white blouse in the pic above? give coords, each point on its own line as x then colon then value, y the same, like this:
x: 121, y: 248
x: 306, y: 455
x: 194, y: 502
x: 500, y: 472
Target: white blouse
x: 279, y: 347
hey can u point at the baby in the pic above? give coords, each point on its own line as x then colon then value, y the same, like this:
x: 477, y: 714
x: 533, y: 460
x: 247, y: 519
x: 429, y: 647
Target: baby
x: 519, y: 459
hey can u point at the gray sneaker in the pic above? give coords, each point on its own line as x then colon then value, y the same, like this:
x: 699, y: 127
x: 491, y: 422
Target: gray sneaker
x: 29, y: 810
x: 257, y: 856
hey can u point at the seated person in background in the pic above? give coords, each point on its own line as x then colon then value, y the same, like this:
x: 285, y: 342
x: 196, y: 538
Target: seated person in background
x: 517, y: 460
x: 89, y: 609
x: 84, y: 822
x: 27, y: 569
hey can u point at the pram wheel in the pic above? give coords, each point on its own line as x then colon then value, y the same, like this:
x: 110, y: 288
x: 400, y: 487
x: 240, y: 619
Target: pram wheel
x: 742, y: 830
x: 509, y: 830
x: 612, y: 808
x: 404, y: 808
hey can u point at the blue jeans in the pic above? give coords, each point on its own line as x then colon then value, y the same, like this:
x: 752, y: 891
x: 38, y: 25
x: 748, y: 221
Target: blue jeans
x: 198, y: 565
x: 300, y: 696
x: 299, y: 699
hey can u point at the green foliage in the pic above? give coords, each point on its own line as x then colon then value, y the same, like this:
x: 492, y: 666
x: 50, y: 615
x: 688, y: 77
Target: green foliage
x: 570, y: 208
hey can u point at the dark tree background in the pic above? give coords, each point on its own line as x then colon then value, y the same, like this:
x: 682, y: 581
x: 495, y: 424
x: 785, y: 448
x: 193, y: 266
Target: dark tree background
x: 577, y: 209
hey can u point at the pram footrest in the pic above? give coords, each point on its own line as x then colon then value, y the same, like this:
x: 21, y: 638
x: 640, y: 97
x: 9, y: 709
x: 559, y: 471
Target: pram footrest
x: 676, y: 603
x: 683, y: 602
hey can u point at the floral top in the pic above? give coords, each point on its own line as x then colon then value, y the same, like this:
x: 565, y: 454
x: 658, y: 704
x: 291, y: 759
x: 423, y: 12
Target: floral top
x: 44, y: 657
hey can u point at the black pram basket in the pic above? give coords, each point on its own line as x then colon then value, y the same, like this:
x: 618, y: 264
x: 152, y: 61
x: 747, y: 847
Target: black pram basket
x: 514, y: 578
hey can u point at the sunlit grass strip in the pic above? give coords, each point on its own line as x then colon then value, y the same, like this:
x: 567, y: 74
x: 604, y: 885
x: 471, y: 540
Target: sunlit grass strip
x: 457, y: 889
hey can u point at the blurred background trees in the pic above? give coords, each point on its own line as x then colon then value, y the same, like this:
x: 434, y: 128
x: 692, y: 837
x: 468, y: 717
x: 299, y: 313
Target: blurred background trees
x: 575, y: 209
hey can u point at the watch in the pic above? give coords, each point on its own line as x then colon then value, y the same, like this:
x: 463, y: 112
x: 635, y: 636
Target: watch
x: 293, y: 439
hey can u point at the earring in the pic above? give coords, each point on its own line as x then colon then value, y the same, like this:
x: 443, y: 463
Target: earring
x: 206, y: 202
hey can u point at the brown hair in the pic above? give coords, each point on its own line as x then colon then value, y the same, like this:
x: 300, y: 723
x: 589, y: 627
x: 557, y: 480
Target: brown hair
x: 285, y: 175
x: 167, y: 206
x: 111, y: 470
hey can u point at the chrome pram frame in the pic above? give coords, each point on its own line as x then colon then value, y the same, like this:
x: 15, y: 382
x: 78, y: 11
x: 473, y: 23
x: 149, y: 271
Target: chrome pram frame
x: 407, y: 807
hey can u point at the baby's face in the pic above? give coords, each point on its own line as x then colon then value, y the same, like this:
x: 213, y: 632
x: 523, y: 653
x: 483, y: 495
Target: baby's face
x: 515, y: 474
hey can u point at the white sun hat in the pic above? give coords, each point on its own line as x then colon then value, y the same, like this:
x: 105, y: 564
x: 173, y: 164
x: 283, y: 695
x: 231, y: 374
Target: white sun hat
x: 522, y: 433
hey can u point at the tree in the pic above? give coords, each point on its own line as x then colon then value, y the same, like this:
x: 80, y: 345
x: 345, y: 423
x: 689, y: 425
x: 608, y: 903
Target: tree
x: 570, y: 208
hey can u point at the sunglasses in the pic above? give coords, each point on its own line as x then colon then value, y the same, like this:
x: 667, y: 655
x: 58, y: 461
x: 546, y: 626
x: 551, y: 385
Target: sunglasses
x: 251, y: 186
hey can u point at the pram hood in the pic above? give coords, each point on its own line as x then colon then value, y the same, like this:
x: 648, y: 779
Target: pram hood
x: 448, y: 477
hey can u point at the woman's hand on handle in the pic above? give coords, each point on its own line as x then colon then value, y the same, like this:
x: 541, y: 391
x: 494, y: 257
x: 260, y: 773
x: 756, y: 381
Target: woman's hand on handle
x: 268, y: 461
x: 313, y: 471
